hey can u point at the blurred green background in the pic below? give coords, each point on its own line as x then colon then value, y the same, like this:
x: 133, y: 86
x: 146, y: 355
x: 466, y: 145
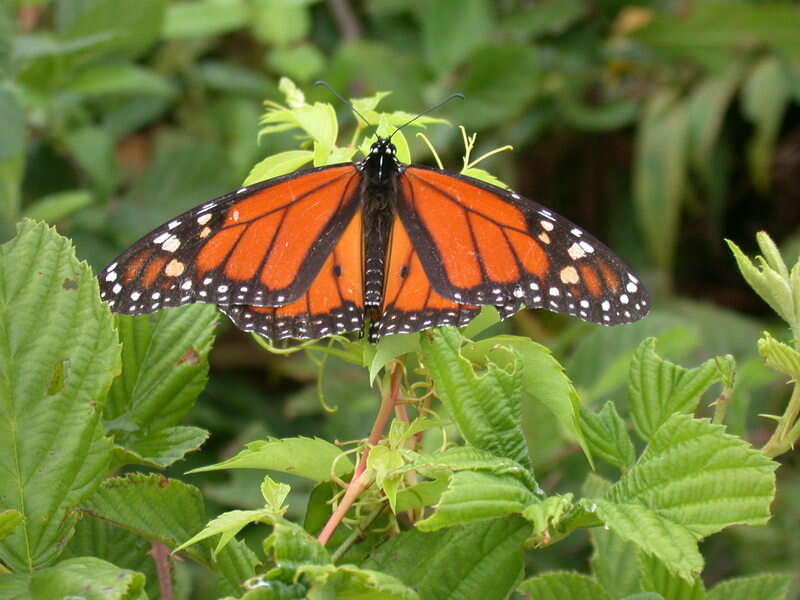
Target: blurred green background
x: 662, y: 126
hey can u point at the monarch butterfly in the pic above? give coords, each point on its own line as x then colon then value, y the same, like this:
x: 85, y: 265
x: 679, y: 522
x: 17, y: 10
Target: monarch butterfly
x: 376, y: 245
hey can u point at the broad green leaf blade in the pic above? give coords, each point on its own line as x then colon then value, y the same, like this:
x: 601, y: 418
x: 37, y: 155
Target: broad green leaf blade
x: 226, y: 526
x: 9, y: 521
x: 659, y: 388
x: 161, y: 448
x: 475, y: 496
x: 278, y: 164
x: 186, y: 19
x: 349, y: 581
x: 695, y: 474
x: 763, y: 587
x: 543, y: 378
x: 55, y: 207
x: 483, y: 560
x: 612, y: 562
x: 290, y: 546
x: 660, y: 174
x: 607, y: 435
x: 313, y: 458
x: 562, y: 584
x: 164, y: 369
x: 85, y: 577
x: 656, y: 577
x: 653, y: 534
x: 119, y: 80
x: 485, y: 406
x: 452, y: 29
x: 166, y: 511
x: 54, y: 375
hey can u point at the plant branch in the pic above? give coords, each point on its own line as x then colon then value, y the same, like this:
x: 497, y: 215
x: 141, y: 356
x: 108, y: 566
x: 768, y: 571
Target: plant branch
x: 357, y: 533
x: 160, y: 554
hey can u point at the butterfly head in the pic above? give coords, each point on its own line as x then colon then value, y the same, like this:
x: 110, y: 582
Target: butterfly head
x: 381, y: 164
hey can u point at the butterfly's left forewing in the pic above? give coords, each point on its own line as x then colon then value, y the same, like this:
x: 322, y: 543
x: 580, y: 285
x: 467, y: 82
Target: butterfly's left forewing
x: 480, y: 244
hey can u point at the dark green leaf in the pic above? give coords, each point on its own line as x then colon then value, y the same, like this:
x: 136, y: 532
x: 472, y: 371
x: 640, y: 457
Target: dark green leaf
x: 452, y: 29
x: 655, y: 577
x: 561, y: 584
x: 12, y: 133
x: 763, y: 587
x: 607, y: 435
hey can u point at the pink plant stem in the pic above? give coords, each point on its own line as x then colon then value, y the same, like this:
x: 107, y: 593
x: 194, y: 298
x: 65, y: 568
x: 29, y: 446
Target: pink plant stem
x: 357, y: 483
x: 160, y: 554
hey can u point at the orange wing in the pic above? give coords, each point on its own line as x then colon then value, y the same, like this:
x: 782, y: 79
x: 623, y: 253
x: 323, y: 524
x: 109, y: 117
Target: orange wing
x: 332, y: 304
x: 261, y: 245
x: 409, y: 301
x: 479, y: 244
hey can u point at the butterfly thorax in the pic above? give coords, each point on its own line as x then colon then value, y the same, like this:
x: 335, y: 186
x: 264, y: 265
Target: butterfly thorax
x: 378, y: 197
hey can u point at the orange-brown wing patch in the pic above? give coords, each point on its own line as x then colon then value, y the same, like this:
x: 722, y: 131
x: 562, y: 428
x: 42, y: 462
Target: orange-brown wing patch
x: 332, y: 304
x: 410, y: 303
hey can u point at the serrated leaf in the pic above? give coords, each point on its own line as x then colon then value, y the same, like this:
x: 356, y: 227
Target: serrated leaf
x: 695, y: 474
x: 349, y: 581
x: 473, y: 496
x: 546, y: 515
x: 85, y: 577
x: 543, y: 378
x: 653, y: 534
x: 767, y: 283
x: 483, y: 560
x: 278, y: 164
x: 274, y: 494
x: 167, y: 511
x: 563, y: 584
x: 226, y: 526
x: 54, y: 375
x: 656, y: 577
x: 313, y: 458
x: 658, y: 388
x: 763, y: 587
x: 779, y: 356
x: 612, y: 562
x: 485, y: 406
x: 318, y: 121
x: 165, y: 367
x: 607, y: 435
x: 9, y: 521
x: 161, y: 448
x: 290, y: 546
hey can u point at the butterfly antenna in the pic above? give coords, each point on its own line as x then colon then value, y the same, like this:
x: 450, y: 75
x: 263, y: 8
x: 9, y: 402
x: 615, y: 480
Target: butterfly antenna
x: 430, y: 110
x: 325, y: 84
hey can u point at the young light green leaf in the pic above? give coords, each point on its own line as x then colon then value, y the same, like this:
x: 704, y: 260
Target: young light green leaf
x: 274, y: 494
x: 543, y: 378
x: 652, y: 533
x: 779, y: 356
x: 227, y: 525
x: 278, y: 164
x: 86, y: 577
x: 318, y: 121
x: 290, y: 546
x: 658, y: 388
x: 349, y: 581
x: 607, y: 435
x: 313, y: 458
x: 771, y: 254
x: 660, y: 173
x: 475, y: 496
x: 280, y: 22
x: 425, y: 493
x: 483, y: 560
x: 545, y: 515
x: 765, y: 97
x: 773, y: 288
x: 382, y: 460
x: 9, y: 520
x: 165, y: 367
x: 562, y: 584
x: 656, y: 577
x: 763, y: 587
x: 389, y: 348
x: 485, y: 406
x: 53, y: 453
x: 695, y: 474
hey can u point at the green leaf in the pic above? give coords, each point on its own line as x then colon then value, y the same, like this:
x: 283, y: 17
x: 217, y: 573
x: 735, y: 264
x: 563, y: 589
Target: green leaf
x: 119, y: 80
x: 165, y: 367
x: 475, y: 496
x: 6, y: 40
x: 485, y: 406
x: 483, y: 560
x: 545, y: 18
x: 55, y: 207
x: 348, y: 581
x: 607, y: 435
x: 655, y: 577
x: 695, y: 474
x: 302, y: 62
x: 612, y: 562
x: 659, y: 177
x: 546, y: 515
x: 226, y: 526
x: 9, y: 520
x: 763, y: 587
x: 779, y: 356
x: 12, y: 134
x: 280, y: 22
x: 652, y: 533
x: 85, y: 577
x: 291, y: 547
x: 318, y: 120
x: 561, y: 584
x: 278, y: 164
x: 543, y: 378
x: 205, y: 18
x: 452, y: 29
x: 765, y: 98
x: 313, y: 458
x: 659, y: 388
x: 166, y: 511
x: 54, y: 375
